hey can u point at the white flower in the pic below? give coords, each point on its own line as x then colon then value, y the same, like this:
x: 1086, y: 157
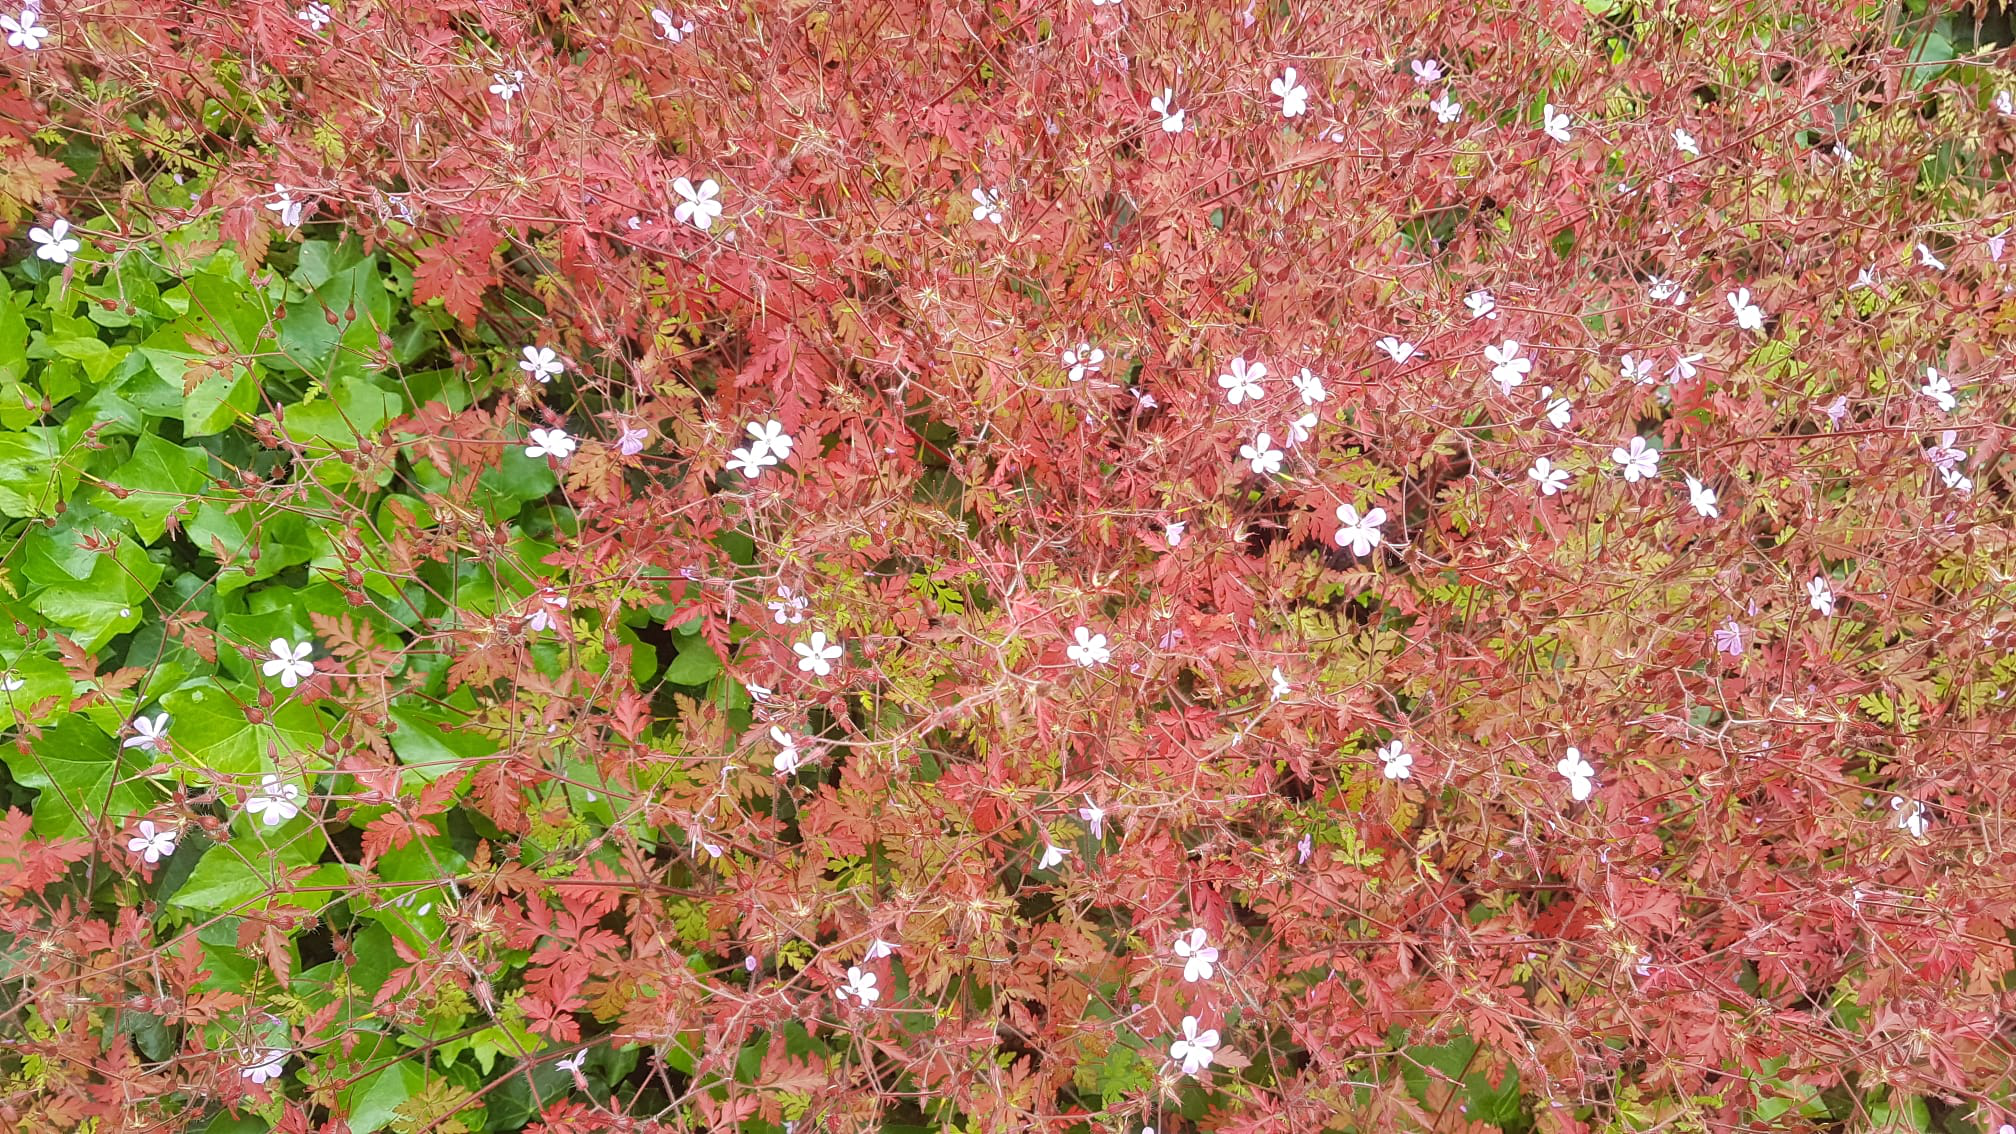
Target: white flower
x: 1094, y: 817
x: 1293, y: 95
x: 572, y: 1063
x: 1558, y: 409
x: 540, y: 363
x: 631, y: 442
x: 1702, y: 497
x: 543, y: 616
x: 1082, y: 360
x: 149, y: 734
x: 54, y: 244
x: 786, y: 760
x: 1052, y: 857
x: 1427, y: 72
x: 769, y: 436
x: 1847, y: 157
x: 752, y: 461
x: 2006, y: 106
x: 1551, y: 480
x: 1911, y: 815
x: 1820, y: 596
x: 1359, y: 533
x: 1396, y: 348
x: 1684, y: 142
x: 1482, y: 304
x: 1580, y: 776
x: 1638, y: 370
x: 1164, y: 104
x: 1446, y: 109
x: 153, y: 843
x: 1193, y: 1051
x: 988, y: 207
x: 1943, y: 455
x: 550, y: 442
x: 1089, y: 649
x: 10, y: 682
x: 1749, y: 316
x: 507, y: 84
x: 1554, y: 123
x: 1864, y: 278
x: 1396, y: 763
x: 699, y: 207
x: 1279, y: 686
x: 1507, y: 369
x: 1636, y: 461
x: 1266, y: 459
x: 1243, y: 383
x: 265, y: 1066
x: 1172, y: 532
x: 1996, y: 244
x: 24, y: 33
x: 878, y: 949
x: 1928, y: 260
x: 860, y: 984
x: 289, y: 209
x: 1683, y: 367
x: 1301, y: 428
x: 1309, y: 386
x: 815, y: 656
x: 1198, y: 955
x: 1659, y: 288
x: 289, y: 663
x: 316, y: 15
x: 1956, y: 481
x: 276, y: 802
x: 673, y: 30
x: 788, y: 607
x: 1938, y: 388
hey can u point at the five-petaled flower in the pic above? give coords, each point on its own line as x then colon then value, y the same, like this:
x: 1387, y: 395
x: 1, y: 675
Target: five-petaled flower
x: 546, y: 608
x: 860, y: 985
x: 1580, y: 776
x: 1554, y: 123
x: 1927, y: 259
x: 816, y: 655
x: 1638, y: 370
x: 1911, y: 815
x: 1262, y: 454
x: 1052, y: 857
x: 769, y: 437
x: 283, y: 202
x: 1293, y: 95
x: 1278, y: 686
x: 316, y: 15
x: 1396, y: 763
x: 1636, y: 460
x: 264, y: 1066
x: 289, y: 662
x: 699, y: 207
x: 150, y: 734
x: 152, y: 843
x: 1684, y: 142
x: 1507, y: 368
x: 1701, y: 497
x: 1194, y: 946
x: 1557, y: 409
x: 631, y: 441
x: 671, y: 28
x: 1729, y: 638
x: 1094, y: 817
x: 1446, y: 109
x: 24, y: 32
x: 1749, y: 316
x: 787, y: 607
x: 988, y: 207
x: 1081, y: 360
x: 1309, y: 386
x: 550, y: 443
x: 1427, y: 72
x: 1193, y: 1051
x: 1482, y: 304
x: 54, y: 244
x: 786, y: 761
x: 1242, y: 381
x: 540, y: 363
x: 275, y: 802
x: 1939, y: 388
x: 1660, y: 289
x: 1359, y: 533
x: 1089, y: 649
x: 1551, y: 479
x: 1164, y: 104
x: 507, y: 83
x: 1820, y: 596
x: 1396, y: 348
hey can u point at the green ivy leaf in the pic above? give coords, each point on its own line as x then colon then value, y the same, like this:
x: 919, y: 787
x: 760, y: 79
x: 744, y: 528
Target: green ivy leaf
x: 84, y: 776
x: 158, y: 479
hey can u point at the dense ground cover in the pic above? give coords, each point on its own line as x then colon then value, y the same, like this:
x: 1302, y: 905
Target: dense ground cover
x: 997, y: 567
